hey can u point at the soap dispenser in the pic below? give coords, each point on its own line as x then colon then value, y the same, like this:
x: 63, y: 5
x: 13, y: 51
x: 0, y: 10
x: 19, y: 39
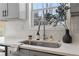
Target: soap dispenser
x: 37, y: 36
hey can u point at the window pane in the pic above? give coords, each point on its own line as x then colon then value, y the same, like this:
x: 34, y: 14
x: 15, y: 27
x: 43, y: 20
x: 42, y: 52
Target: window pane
x: 54, y: 11
x: 53, y: 4
x: 36, y: 21
x: 40, y: 13
x: 43, y: 5
x: 37, y: 6
x: 38, y: 9
x: 37, y: 14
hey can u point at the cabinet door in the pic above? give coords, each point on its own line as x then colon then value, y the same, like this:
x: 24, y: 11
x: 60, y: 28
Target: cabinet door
x: 13, y: 10
x: 74, y: 7
x: 23, y: 11
x: 3, y: 9
x: 23, y: 52
x: 35, y: 53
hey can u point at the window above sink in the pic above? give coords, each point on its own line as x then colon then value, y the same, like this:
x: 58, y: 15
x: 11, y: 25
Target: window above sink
x: 36, y: 12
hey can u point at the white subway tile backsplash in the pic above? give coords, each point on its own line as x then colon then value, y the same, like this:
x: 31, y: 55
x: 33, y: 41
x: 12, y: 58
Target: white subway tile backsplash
x: 75, y: 24
x: 20, y: 29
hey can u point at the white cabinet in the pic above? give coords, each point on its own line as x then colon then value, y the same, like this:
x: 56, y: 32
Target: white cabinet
x: 39, y: 53
x: 9, y: 10
x: 3, y: 10
x: 25, y: 52
x: 23, y: 11
x: 74, y: 7
x: 13, y: 10
x: 22, y: 52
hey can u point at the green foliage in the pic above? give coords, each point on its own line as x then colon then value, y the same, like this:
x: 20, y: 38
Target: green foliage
x: 60, y: 16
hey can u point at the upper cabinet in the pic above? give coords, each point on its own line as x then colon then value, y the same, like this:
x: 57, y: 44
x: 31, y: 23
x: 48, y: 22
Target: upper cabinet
x: 13, y: 10
x: 23, y: 7
x: 74, y: 9
x: 9, y: 10
x: 3, y: 10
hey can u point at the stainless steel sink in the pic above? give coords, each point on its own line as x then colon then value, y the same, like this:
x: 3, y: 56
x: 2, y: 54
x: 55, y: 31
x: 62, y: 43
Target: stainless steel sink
x: 43, y: 44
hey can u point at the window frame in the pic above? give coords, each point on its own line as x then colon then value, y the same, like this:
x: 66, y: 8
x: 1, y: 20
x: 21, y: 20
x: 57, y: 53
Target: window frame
x: 48, y: 27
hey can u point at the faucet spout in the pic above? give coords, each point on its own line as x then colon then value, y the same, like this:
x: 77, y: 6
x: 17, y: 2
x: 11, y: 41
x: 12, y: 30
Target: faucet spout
x: 44, y: 31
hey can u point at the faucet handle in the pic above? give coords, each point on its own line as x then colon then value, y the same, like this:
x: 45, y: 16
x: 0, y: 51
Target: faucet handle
x: 50, y: 37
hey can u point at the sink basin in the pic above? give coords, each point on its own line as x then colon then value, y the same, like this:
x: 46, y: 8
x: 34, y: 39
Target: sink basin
x: 43, y: 44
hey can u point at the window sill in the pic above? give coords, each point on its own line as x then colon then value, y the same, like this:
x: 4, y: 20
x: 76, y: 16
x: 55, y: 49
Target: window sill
x: 49, y: 28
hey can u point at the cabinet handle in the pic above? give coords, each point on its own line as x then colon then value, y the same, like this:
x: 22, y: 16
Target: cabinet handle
x: 3, y: 13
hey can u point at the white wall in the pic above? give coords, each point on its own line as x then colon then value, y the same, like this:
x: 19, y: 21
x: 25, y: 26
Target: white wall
x: 15, y: 29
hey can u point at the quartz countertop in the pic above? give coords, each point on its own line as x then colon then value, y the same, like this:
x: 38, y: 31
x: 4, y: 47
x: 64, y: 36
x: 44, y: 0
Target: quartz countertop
x: 65, y: 49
